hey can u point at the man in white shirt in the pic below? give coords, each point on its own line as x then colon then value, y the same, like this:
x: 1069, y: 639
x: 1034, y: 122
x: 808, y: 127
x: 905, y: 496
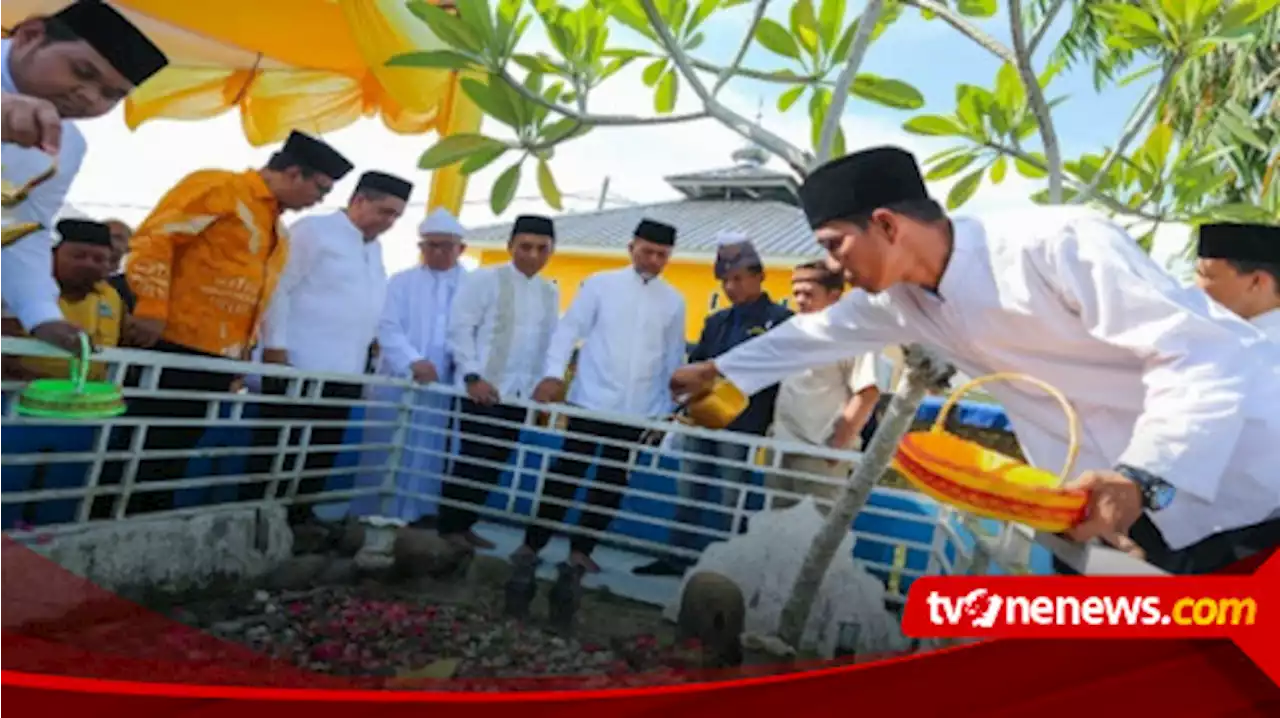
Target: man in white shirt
x: 1179, y: 403
x: 823, y: 406
x: 83, y: 60
x: 632, y: 324
x: 1239, y: 266
x: 323, y: 317
x: 752, y: 311
x: 499, y: 333
x: 413, y: 344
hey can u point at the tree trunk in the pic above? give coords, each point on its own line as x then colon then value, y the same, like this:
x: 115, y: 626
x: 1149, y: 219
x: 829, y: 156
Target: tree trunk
x: 922, y: 372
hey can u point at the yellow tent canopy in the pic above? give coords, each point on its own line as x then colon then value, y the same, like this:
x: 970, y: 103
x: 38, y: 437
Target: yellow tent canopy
x: 311, y: 65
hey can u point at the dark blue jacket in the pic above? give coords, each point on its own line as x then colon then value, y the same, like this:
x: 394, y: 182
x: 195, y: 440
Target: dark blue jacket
x: 730, y: 327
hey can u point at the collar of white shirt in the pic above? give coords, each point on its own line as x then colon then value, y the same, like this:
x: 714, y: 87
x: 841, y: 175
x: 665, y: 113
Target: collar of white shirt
x: 967, y: 238
x: 517, y: 274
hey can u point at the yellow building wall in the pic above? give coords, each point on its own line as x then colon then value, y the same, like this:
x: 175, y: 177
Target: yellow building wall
x: 694, y: 279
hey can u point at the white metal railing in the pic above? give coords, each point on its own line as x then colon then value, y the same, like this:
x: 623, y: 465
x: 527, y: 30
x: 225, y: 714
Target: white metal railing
x: 400, y: 432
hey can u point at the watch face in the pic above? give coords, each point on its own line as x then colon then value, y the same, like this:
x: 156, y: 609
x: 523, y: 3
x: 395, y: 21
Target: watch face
x: 1161, y: 497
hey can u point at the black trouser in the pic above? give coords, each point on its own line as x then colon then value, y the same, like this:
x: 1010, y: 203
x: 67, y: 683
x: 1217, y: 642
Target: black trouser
x: 604, y: 492
x: 1206, y: 556
x: 317, y: 460
x: 172, y: 438
x: 454, y: 519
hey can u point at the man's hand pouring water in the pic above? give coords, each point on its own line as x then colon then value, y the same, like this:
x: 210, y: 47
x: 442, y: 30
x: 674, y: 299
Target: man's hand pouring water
x: 689, y: 381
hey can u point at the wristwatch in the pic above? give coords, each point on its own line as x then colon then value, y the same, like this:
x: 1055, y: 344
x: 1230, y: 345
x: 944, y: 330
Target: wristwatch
x: 1157, y: 493
x: 470, y: 379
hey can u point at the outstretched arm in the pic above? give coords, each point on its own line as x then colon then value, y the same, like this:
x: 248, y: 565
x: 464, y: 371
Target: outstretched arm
x: 848, y: 328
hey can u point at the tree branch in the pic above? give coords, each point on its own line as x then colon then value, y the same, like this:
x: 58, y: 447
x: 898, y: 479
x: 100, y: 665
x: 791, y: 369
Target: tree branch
x: 754, y: 74
x: 1035, y: 98
x: 857, y: 51
x: 599, y: 120
x: 992, y: 45
x: 731, y: 69
x: 1137, y: 122
x: 799, y: 160
x: 1038, y: 36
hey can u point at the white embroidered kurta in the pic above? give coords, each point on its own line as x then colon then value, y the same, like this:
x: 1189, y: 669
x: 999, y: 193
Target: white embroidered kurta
x: 27, y: 286
x: 501, y: 328
x: 1161, y: 378
x: 633, y: 338
x: 1269, y: 324
x: 414, y: 326
x: 328, y: 302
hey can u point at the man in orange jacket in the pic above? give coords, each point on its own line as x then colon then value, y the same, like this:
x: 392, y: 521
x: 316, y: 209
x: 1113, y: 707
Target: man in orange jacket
x: 203, y: 266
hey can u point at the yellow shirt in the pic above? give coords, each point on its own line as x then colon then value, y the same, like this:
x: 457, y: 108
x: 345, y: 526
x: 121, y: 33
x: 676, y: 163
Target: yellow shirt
x: 207, y: 260
x: 100, y: 313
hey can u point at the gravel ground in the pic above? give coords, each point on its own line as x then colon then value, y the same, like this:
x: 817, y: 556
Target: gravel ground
x: 423, y: 631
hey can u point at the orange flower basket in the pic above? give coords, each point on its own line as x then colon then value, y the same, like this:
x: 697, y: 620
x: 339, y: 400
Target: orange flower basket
x: 987, y: 483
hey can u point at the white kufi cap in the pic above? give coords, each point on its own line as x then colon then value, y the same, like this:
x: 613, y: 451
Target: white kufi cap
x: 730, y: 236
x: 441, y: 221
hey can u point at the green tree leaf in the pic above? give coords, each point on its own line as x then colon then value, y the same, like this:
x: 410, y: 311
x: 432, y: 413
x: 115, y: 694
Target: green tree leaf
x: 1242, y: 132
x: 933, y: 125
x: 456, y: 147
x: 563, y: 129
x: 977, y: 8
x: 950, y: 167
x: 436, y: 59
x: 1030, y: 171
x: 775, y: 38
x: 537, y: 63
x: 830, y: 19
x: 504, y: 188
x: 964, y: 190
x: 481, y: 159
x: 1010, y: 95
x: 1129, y: 24
x: 703, y: 11
x: 494, y: 104
x: 1156, y: 149
x: 547, y: 186
x: 451, y: 30
x: 804, y: 26
x: 789, y: 97
x: 1243, y: 13
x: 475, y: 14
x: 664, y: 100
x: 819, y: 103
x: 998, y: 169
x: 888, y: 92
x: 653, y: 72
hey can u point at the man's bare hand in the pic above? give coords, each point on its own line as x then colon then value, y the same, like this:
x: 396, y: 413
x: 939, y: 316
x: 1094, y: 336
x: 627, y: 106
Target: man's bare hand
x: 693, y: 379
x: 61, y: 334
x: 483, y: 393
x: 275, y: 356
x: 31, y: 122
x: 424, y: 372
x: 842, y: 437
x: 145, y: 332
x: 1115, y: 503
x: 548, y: 390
